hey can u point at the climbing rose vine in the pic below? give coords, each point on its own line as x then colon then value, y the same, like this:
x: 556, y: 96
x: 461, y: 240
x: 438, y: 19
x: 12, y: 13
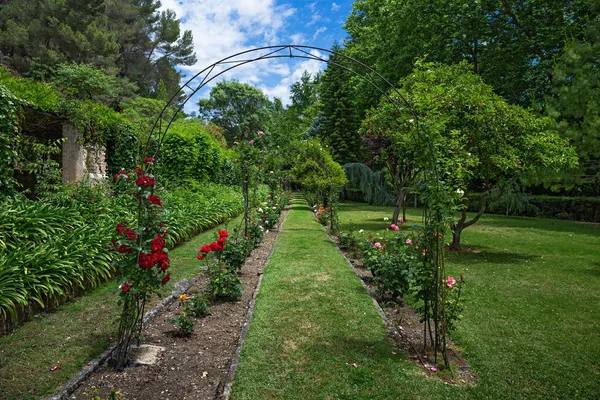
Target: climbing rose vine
x: 144, y: 258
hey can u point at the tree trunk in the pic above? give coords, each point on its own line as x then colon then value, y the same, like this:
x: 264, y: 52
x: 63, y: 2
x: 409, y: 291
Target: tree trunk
x: 463, y: 223
x: 456, y: 231
x: 400, y: 204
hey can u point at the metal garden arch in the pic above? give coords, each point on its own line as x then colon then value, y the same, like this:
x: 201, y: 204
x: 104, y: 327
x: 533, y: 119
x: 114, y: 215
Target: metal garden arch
x: 353, y: 66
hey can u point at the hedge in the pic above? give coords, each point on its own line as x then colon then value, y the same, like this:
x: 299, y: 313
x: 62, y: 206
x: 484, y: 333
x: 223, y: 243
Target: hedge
x: 585, y: 209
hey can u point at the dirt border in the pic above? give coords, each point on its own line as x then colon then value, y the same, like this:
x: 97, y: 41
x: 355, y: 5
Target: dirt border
x: 96, y: 370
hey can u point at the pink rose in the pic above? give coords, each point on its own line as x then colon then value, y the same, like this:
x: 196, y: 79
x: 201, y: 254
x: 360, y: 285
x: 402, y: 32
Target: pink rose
x: 451, y: 281
x: 251, y: 143
x: 394, y: 227
x: 401, y: 220
x: 408, y: 241
x: 260, y: 133
x: 377, y: 245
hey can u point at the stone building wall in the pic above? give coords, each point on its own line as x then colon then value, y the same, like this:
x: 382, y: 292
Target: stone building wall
x: 80, y: 162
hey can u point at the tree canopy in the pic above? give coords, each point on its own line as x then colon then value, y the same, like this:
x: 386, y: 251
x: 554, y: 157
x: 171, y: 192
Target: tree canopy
x: 478, y: 139
x: 239, y: 108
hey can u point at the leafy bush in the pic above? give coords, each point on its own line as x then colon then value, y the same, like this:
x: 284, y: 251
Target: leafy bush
x: 188, y: 151
x: 197, y: 306
x: 561, y: 207
x: 56, y: 246
x: 224, y: 284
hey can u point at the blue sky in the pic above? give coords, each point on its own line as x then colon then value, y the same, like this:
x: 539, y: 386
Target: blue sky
x: 225, y: 27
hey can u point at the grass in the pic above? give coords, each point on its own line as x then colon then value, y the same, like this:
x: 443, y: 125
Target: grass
x: 532, y: 323
x: 315, y: 333
x: 77, y: 332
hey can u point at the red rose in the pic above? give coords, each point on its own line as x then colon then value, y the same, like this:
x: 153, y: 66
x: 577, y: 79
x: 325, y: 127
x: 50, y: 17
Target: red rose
x: 148, y: 160
x: 162, y: 224
x: 163, y: 266
x: 122, y: 249
x: 214, y: 246
x: 146, y: 260
x: 155, y: 200
x: 120, y: 228
x: 145, y: 182
x: 222, y: 240
x: 138, y: 171
x: 125, y: 287
x: 121, y: 172
x: 166, y: 279
x: 158, y: 243
x: 130, y: 234
x: 200, y: 257
x: 161, y: 257
x: 223, y: 233
x: 205, y: 249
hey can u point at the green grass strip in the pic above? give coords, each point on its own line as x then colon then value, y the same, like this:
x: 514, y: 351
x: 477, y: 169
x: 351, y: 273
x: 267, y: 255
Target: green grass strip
x: 531, y: 327
x: 315, y: 332
x: 77, y: 332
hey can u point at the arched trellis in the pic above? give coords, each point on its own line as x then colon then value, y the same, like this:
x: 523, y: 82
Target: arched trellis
x: 352, y: 65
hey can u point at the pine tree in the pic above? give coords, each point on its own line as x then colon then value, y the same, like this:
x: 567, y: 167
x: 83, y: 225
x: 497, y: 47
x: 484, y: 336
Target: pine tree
x: 340, y: 125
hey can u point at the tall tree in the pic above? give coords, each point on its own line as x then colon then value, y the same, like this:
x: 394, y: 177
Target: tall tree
x: 151, y: 44
x: 43, y: 33
x: 575, y: 100
x: 239, y: 108
x: 511, y: 44
x: 475, y: 135
x: 340, y: 122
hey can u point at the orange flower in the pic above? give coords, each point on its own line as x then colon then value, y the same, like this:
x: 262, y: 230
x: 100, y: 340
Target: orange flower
x: 183, y: 297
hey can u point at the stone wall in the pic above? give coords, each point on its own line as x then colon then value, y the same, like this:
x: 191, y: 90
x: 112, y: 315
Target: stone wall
x: 81, y: 162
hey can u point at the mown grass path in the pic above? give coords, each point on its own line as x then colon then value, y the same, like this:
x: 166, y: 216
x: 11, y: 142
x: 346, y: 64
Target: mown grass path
x: 315, y: 332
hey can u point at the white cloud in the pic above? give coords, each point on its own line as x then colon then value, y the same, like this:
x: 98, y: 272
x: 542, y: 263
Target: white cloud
x: 297, y: 38
x: 314, y: 19
x: 335, y: 7
x: 319, y: 31
x: 225, y: 27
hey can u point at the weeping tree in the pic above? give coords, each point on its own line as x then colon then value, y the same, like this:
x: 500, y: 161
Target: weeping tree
x: 373, y: 185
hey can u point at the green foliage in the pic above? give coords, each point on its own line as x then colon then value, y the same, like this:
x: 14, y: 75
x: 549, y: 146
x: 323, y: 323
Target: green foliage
x: 51, y: 247
x: 189, y: 152
x: 197, y: 306
x: 239, y: 108
x: 85, y: 82
x: 574, y: 100
x: 8, y: 137
x: 184, y: 324
x: 134, y: 40
x: 224, y: 284
x: 39, y: 95
x: 38, y: 158
x: 340, y: 126
x: 511, y: 199
x: 372, y: 186
x: 315, y: 169
x: 473, y: 133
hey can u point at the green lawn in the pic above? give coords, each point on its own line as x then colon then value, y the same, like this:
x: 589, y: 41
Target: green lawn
x: 316, y: 334
x: 77, y: 332
x: 532, y: 323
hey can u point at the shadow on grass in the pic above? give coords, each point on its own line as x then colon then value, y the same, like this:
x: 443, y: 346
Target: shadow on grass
x: 594, y: 270
x: 490, y: 257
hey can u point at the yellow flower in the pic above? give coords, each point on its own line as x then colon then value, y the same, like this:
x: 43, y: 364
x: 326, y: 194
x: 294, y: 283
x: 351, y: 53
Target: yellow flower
x: 183, y: 297
x: 270, y: 172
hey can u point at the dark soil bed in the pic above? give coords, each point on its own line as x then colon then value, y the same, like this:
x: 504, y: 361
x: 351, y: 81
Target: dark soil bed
x: 196, y: 367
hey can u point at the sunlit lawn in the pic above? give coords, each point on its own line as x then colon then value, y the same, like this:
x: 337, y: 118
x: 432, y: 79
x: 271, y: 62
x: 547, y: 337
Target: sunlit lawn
x: 532, y: 323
